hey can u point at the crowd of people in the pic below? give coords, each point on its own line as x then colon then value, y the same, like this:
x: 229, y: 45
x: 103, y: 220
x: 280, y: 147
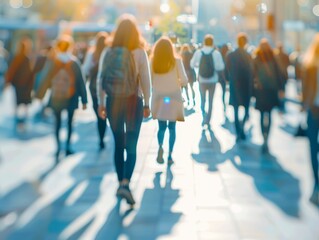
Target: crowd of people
x: 129, y: 82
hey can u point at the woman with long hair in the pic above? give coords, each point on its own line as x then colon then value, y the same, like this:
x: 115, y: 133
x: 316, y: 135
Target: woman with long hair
x: 90, y: 67
x: 310, y: 93
x: 125, y: 114
x: 268, y: 87
x: 168, y: 76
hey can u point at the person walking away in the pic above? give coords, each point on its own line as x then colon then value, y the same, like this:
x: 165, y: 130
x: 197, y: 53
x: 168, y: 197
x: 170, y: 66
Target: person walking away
x: 187, y: 55
x: 124, y: 77
x: 268, y: 86
x: 282, y: 59
x: 222, y: 76
x: 21, y: 77
x: 310, y: 93
x: 210, y: 62
x: 67, y: 85
x: 240, y: 72
x: 90, y: 68
x: 168, y: 76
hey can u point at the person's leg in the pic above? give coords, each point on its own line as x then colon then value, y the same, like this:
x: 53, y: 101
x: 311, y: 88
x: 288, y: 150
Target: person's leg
x: 70, y: 130
x: 101, y: 123
x: 193, y: 91
x: 186, y: 93
x: 172, y: 139
x: 202, y: 91
x: 223, y: 85
x: 58, y: 121
x: 115, y: 115
x: 237, y: 122
x: 312, y: 132
x: 162, y: 125
x: 211, y: 91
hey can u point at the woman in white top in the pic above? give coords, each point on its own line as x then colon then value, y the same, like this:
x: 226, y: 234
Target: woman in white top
x: 168, y: 76
x: 125, y: 114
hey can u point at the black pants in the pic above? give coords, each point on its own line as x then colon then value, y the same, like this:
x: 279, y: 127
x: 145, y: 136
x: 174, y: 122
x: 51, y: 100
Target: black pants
x: 265, y: 123
x: 101, y: 123
x: 125, y: 116
x: 240, y: 125
x: 58, y: 123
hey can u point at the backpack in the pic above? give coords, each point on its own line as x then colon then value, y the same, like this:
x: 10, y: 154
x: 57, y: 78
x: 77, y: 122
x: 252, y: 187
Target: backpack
x: 63, y: 82
x: 119, y: 78
x: 206, y: 65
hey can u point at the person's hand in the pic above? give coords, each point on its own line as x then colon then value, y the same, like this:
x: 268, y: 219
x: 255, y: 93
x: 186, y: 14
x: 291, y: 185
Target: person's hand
x: 147, y: 112
x: 281, y: 94
x: 102, y: 112
x: 84, y: 107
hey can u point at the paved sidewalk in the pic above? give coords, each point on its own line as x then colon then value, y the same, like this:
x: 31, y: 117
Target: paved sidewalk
x: 215, y: 190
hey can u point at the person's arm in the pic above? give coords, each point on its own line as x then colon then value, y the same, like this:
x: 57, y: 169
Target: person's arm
x: 218, y: 61
x: 87, y: 63
x: 101, y: 95
x: 195, y: 59
x: 181, y: 72
x: 145, y: 77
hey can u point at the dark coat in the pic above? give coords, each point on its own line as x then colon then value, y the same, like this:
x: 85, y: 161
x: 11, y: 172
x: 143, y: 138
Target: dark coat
x: 21, y: 76
x: 309, y: 86
x: 239, y: 67
x: 268, y: 83
x: 80, y: 90
x: 190, y: 72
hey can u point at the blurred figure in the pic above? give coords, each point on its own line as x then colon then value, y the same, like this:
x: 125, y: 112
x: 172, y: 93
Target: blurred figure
x: 4, y: 58
x: 240, y: 73
x: 126, y: 88
x: 268, y: 86
x: 311, y: 104
x: 283, y: 62
x: 168, y: 76
x: 210, y: 62
x: 67, y: 85
x: 187, y: 55
x: 90, y: 68
x: 222, y: 78
x: 21, y: 77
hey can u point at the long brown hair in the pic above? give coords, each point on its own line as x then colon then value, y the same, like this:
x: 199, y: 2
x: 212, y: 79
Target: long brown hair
x: 99, y: 45
x: 127, y: 34
x: 264, y: 52
x: 163, y: 56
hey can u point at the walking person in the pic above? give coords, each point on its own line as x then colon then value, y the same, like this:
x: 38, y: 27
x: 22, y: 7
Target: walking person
x: 187, y: 54
x: 310, y: 93
x: 240, y: 73
x: 21, y: 77
x: 168, y: 77
x: 67, y: 84
x: 124, y: 77
x: 222, y: 76
x: 268, y: 87
x: 90, y: 68
x: 210, y: 62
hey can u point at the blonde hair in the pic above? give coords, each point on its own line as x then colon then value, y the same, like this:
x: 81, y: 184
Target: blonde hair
x: 311, y: 57
x: 163, y: 56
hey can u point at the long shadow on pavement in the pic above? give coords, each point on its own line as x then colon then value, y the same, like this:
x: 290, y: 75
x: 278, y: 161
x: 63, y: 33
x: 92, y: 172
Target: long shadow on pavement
x: 272, y: 181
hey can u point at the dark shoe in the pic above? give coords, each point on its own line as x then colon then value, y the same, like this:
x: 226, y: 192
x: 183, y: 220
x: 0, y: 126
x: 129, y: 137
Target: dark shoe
x: 170, y: 160
x: 102, y: 146
x: 69, y: 152
x: 159, y: 158
x: 301, y: 132
x: 315, y: 196
x: 125, y: 192
x: 264, y: 149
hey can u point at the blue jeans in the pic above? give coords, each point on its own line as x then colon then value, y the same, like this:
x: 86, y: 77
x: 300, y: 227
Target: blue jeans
x: 125, y: 116
x: 162, y: 125
x: 312, y: 132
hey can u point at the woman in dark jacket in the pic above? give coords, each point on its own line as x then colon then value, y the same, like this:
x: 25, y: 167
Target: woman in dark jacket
x: 268, y: 87
x: 90, y: 67
x: 21, y: 76
x: 310, y: 92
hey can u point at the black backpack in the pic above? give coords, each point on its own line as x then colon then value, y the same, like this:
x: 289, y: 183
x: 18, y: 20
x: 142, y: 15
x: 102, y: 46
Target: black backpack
x: 206, y: 65
x: 119, y: 78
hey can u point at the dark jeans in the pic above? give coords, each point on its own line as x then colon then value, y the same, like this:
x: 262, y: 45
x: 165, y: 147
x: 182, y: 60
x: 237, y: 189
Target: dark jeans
x: 210, y: 89
x: 162, y: 125
x: 58, y: 123
x: 313, y: 130
x: 265, y: 123
x: 125, y: 116
x: 101, y: 123
x: 240, y: 125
